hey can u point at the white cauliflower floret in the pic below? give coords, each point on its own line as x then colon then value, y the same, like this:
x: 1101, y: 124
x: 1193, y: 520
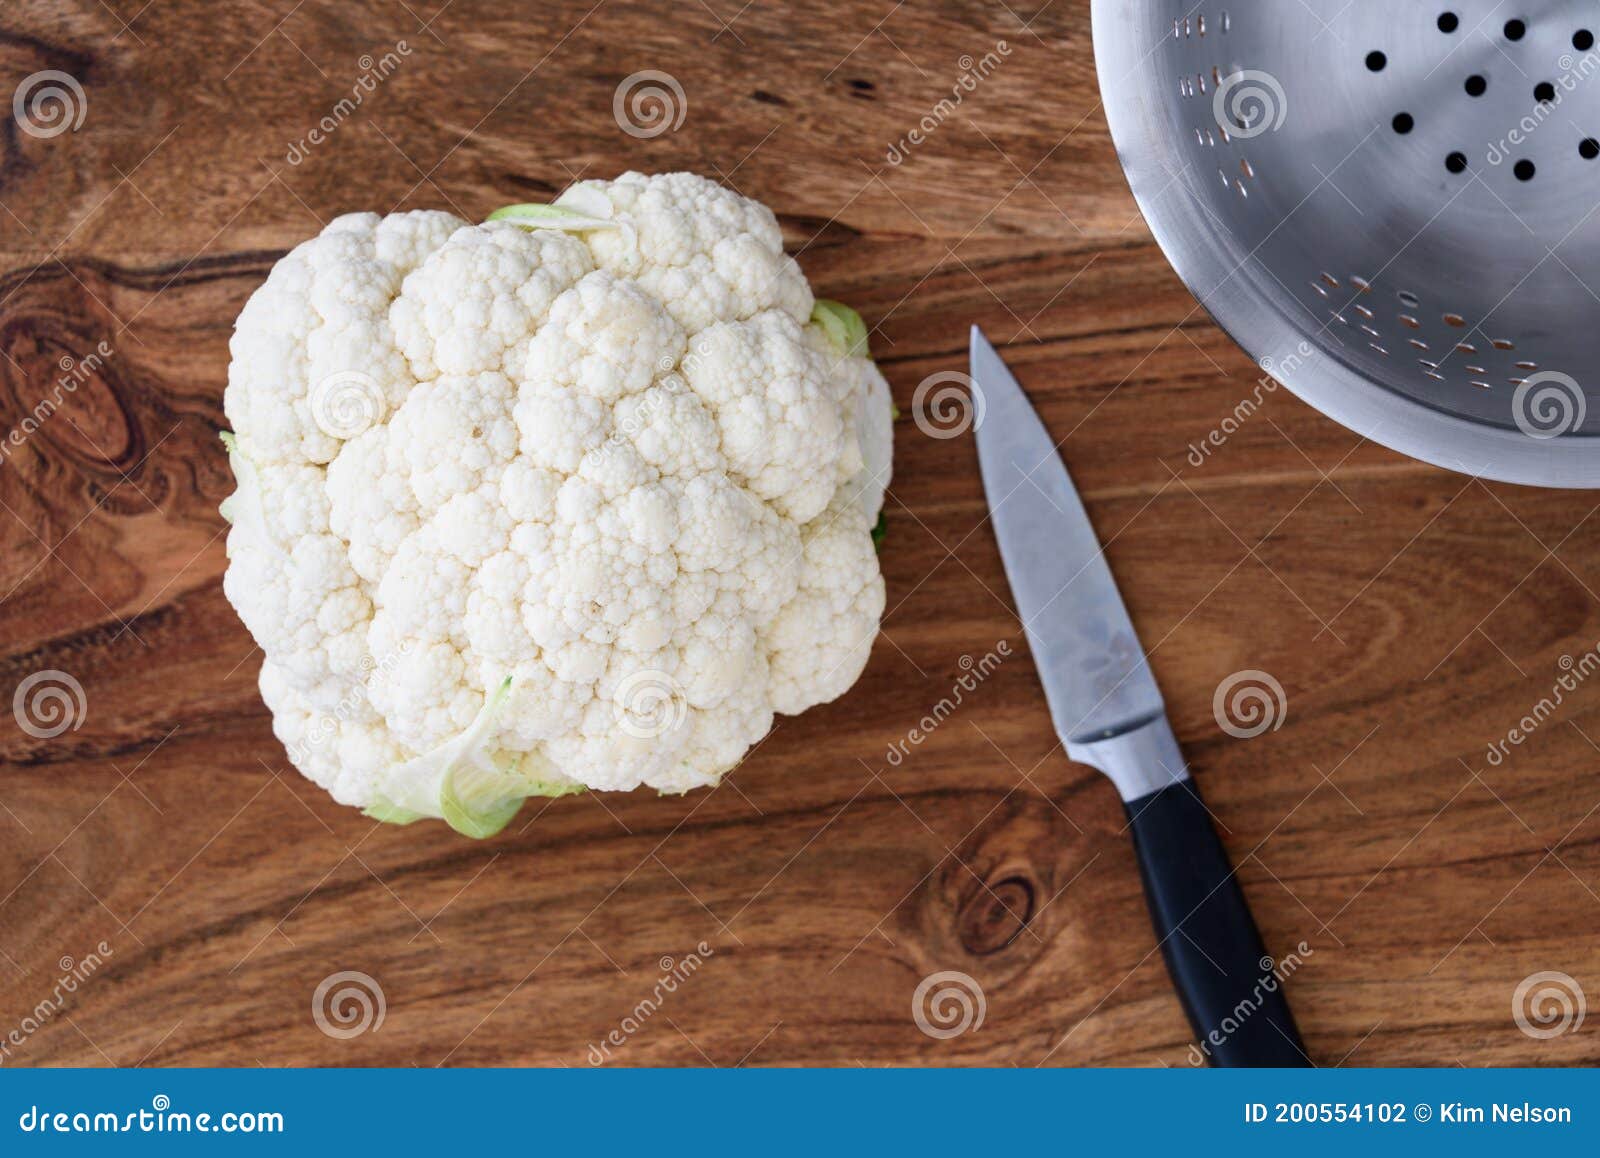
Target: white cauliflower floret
x: 590, y: 498
x: 781, y: 413
x: 839, y: 585
x: 706, y: 253
x: 479, y: 296
x: 321, y: 322
x: 289, y: 577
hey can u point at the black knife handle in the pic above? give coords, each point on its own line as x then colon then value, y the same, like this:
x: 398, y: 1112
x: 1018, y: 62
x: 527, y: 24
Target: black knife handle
x: 1231, y: 990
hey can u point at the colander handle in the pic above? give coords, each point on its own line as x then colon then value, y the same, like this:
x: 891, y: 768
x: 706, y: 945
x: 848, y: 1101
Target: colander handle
x: 1231, y: 990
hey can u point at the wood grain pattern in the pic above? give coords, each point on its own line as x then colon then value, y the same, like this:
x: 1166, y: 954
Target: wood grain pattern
x: 1411, y: 615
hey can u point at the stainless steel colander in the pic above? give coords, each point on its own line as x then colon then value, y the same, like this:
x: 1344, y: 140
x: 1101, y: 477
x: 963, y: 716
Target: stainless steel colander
x: 1394, y: 206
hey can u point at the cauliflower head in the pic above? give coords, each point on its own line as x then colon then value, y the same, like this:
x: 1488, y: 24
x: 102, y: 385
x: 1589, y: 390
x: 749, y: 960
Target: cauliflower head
x: 576, y: 498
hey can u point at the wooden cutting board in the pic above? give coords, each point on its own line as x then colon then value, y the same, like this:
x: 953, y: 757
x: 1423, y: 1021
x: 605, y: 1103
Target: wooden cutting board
x: 1411, y: 617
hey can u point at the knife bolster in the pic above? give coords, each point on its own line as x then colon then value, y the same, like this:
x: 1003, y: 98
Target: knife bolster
x: 1143, y: 760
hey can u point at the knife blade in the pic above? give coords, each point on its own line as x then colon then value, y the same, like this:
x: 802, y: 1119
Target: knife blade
x: 1109, y: 714
x: 1096, y: 677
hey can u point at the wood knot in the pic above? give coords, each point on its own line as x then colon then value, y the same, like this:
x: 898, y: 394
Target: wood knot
x: 994, y: 897
x: 995, y: 915
x: 62, y: 386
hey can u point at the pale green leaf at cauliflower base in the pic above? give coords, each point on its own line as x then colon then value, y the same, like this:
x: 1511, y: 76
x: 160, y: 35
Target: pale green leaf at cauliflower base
x: 467, y: 781
x: 844, y: 327
x: 576, y: 498
x: 244, y: 505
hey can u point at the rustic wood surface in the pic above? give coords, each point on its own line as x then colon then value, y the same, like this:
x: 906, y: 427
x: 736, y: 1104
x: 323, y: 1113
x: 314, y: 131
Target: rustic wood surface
x: 1412, y: 616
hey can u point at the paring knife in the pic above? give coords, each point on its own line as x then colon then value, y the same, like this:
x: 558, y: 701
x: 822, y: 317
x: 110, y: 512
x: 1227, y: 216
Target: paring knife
x: 1108, y: 712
